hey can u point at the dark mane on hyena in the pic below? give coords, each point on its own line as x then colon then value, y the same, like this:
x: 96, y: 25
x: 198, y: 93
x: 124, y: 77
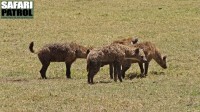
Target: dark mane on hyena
x: 59, y: 52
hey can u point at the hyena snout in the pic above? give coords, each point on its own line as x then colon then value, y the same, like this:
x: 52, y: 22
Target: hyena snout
x: 164, y: 65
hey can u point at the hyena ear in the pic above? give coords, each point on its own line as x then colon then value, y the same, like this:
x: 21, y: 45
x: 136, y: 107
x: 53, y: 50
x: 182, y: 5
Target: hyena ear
x: 88, y: 51
x: 137, y: 51
x: 164, y: 58
x: 134, y: 40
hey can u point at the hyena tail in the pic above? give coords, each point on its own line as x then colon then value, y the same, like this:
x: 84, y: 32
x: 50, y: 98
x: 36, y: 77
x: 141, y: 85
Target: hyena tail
x: 31, y: 47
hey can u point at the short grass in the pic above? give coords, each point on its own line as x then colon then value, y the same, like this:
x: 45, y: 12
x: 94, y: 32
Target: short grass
x: 173, y: 25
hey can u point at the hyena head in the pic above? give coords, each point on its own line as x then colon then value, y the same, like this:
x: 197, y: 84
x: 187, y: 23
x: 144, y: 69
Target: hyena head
x: 137, y: 55
x: 82, y: 52
x: 134, y: 40
x: 163, y: 62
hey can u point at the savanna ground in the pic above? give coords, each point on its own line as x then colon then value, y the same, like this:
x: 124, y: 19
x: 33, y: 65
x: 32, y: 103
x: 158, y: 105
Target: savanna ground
x: 173, y: 25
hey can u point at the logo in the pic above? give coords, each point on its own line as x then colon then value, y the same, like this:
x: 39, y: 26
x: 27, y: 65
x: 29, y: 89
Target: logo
x: 11, y: 9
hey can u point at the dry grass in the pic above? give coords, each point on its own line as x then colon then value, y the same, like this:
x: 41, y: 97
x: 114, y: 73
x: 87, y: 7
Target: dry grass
x: 172, y: 25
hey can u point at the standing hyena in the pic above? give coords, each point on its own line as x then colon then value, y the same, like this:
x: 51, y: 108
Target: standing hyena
x: 115, y: 54
x: 66, y: 52
x: 127, y: 41
x: 151, y: 52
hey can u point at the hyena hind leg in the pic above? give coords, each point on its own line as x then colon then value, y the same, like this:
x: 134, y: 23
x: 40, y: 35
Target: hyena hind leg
x: 125, y: 67
x: 111, y: 70
x: 43, y: 70
x: 91, y: 75
x: 117, y: 71
x: 45, y: 64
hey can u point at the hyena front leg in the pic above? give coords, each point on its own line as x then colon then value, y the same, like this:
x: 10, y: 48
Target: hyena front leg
x: 68, y: 69
x: 141, y: 69
x: 146, y: 68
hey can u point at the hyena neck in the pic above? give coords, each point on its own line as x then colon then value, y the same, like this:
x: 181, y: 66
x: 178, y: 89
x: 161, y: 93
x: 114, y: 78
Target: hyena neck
x: 82, y: 50
x: 158, y: 58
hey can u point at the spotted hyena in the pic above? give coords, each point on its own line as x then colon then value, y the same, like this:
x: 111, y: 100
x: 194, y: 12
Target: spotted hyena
x: 115, y: 54
x: 151, y: 52
x: 57, y: 52
x: 126, y: 41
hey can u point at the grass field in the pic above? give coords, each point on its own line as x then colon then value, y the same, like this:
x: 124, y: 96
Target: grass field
x: 173, y: 25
